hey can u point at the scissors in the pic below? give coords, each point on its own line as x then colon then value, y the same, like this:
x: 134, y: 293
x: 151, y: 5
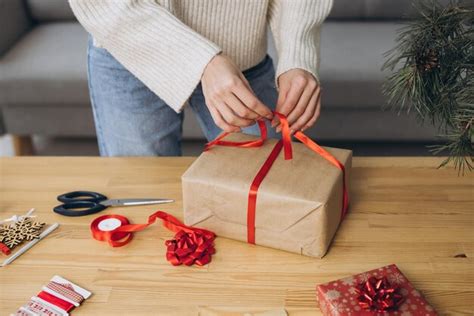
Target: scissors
x: 80, y: 203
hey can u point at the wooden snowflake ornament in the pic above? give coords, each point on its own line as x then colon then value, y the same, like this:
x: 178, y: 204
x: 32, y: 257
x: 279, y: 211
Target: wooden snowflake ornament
x: 14, y: 234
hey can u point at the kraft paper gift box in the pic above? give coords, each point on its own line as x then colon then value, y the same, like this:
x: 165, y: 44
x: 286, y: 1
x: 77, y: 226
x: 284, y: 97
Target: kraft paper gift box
x: 299, y: 202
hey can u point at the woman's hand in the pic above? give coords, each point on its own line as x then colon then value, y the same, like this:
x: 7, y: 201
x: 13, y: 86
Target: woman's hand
x: 299, y: 99
x: 229, y: 97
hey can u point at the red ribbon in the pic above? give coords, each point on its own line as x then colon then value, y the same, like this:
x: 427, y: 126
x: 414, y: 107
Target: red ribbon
x: 5, y: 249
x: 190, y: 244
x: 64, y: 305
x: 378, y: 295
x: 284, y: 143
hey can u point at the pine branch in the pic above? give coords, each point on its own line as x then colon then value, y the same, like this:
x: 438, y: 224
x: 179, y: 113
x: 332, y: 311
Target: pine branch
x: 432, y: 72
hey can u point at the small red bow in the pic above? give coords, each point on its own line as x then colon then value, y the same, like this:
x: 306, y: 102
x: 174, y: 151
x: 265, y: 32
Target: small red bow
x: 379, y: 295
x: 190, y: 247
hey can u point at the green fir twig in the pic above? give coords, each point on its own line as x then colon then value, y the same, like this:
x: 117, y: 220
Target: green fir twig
x: 432, y: 73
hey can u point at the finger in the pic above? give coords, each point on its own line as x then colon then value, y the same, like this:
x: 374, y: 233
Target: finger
x: 245, y: 81
x: 230, y: 117
x: 251, y: 101
x: 303, y: 103
x: 291, y: 100
x: 316, y: 115
x: 283, y: 92
x: 220, y: 122
x: 304, y: 120
x: 239, y: 108
x: 294, y: 94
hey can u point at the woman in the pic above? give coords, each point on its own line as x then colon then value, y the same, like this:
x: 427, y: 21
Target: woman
x: 149, y: 58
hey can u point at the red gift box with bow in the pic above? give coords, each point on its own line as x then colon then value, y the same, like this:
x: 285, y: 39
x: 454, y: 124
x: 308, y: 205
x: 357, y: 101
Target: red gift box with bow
x: 383, y: 291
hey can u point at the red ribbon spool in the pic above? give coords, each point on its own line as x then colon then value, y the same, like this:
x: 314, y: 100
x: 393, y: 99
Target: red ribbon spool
x: 112, y: 236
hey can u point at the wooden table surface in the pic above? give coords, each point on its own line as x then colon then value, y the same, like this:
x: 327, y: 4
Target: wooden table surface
x: 403, y: 211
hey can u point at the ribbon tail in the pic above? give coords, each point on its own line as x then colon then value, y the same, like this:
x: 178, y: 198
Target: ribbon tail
x: 330, y: 158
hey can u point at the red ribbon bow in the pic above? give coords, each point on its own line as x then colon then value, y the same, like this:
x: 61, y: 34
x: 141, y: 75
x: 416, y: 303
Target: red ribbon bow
x: 284, y: 143
x: 379, y: 295
x: 190, y: 247
x: 190, y: 244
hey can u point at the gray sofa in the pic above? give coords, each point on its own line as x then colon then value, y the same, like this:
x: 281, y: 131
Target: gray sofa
x: 43, y: 79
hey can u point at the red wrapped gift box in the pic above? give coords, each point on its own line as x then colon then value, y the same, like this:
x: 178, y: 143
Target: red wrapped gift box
x: 384, y: 286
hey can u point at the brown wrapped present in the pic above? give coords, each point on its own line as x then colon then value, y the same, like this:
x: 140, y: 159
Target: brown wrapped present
x: 299, y: 203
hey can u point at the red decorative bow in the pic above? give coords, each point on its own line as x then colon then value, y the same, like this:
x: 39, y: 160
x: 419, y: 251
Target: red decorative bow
x: 190, y: 247
x: 285, y: 144
x: 379, y: 295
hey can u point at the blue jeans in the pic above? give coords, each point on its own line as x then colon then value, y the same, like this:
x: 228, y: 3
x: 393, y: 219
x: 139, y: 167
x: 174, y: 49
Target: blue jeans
x: 131, y: 120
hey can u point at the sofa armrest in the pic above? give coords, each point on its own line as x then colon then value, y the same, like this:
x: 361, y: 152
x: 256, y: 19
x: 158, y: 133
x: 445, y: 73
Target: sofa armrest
x: 15, y: 22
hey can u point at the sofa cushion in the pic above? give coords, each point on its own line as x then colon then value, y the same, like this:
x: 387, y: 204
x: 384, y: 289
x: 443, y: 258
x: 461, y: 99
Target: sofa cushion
x: 370, y: 9
x: 376, y: 9
x: 47, y: 66
x: 50, y: 10
x: 352, y: 54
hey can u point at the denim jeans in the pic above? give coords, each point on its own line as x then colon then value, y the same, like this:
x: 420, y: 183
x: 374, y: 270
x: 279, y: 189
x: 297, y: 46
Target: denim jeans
x: 131, y: 120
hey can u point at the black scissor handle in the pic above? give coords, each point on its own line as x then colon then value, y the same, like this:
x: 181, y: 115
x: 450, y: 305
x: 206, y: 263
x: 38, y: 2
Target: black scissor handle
x: 79, y: 208
x: 81, y: 196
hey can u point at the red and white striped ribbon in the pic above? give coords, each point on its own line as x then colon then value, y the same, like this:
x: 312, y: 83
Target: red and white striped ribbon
x: 66, y: 290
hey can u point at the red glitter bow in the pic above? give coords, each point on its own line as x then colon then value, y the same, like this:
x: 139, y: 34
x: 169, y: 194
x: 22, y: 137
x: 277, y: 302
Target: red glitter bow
x: 379, y: 295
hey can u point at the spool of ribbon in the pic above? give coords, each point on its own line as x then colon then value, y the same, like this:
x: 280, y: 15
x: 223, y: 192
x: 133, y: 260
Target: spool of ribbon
x: 104, y: 228
x: 378, y: 295
x: 286, y: 145
x: 189, y: 246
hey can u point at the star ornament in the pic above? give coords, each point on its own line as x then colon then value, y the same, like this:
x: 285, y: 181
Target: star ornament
x: 25, y: 229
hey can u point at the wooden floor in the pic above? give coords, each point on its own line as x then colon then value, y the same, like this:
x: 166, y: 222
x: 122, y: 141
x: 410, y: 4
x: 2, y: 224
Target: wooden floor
x: 403, y: 211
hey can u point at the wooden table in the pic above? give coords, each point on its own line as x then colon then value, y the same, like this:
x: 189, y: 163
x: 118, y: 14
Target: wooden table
x: 403, y: 211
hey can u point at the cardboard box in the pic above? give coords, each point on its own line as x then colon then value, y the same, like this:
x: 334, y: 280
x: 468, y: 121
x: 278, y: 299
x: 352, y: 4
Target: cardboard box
x: 298, y: 203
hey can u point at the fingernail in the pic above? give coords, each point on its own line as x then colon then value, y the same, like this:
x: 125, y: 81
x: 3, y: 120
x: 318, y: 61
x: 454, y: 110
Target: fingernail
x: 292, y: 131
x: 278, y: 129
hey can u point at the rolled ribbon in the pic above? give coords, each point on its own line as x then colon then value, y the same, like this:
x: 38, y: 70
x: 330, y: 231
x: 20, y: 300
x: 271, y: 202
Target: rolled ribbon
x: 104, y: 227
x: 56, y: 301
x: 66, y: 291
x: 378, y: 295
x: 285, y: 144
x: 189, y: 246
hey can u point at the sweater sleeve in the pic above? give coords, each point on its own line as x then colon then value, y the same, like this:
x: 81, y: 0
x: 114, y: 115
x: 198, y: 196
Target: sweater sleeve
x: 296, y: 27
x: 164, y: 53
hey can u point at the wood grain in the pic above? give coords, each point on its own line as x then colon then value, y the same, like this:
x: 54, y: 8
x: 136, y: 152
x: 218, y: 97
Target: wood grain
x: 403, y: 211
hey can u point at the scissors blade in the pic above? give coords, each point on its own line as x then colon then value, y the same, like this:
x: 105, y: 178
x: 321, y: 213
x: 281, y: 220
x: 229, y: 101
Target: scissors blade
x: 130, y: 202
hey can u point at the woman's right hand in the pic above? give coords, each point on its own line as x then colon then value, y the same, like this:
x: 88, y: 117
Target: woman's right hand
x: 229, y: 97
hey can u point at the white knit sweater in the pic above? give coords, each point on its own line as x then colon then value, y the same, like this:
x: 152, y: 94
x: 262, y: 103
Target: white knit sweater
x: 168, y: 43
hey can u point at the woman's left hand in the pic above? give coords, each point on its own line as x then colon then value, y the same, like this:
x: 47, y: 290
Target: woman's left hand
x: 299, y: 99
